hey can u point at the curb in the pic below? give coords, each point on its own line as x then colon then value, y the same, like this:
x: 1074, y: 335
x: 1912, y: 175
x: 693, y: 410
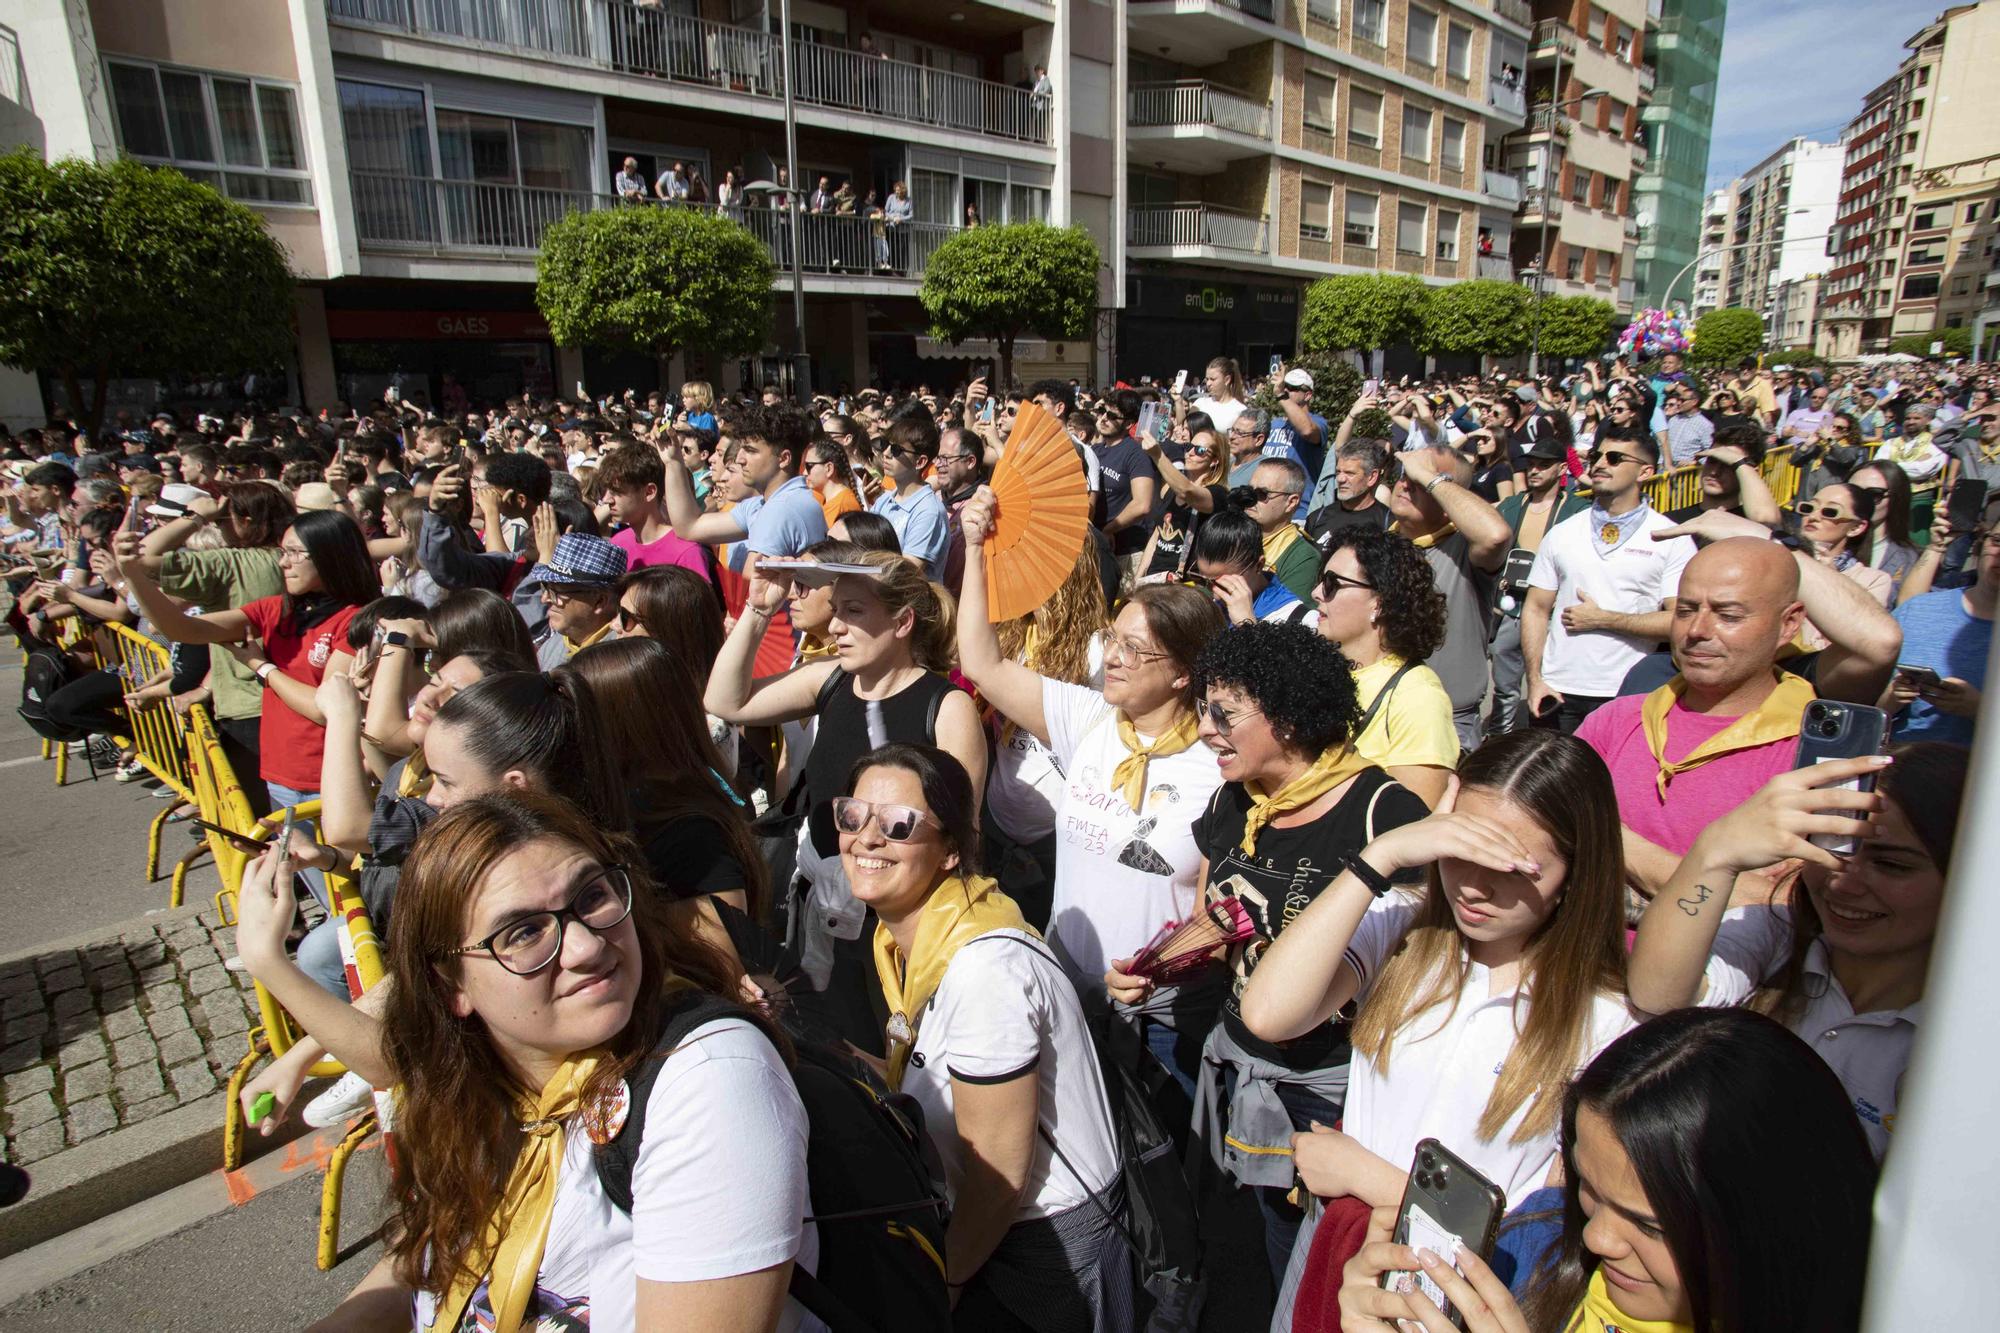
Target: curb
x: 170, y: 916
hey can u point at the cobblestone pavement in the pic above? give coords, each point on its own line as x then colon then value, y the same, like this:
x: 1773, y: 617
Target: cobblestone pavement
x: 118, y: 1031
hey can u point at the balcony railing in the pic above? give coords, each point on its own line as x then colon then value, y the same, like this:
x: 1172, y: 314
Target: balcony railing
x: 1509, y: 98
x: 1537, y: 202
x: 474, y: 218
x: 1187, y: 225
x: 1550, y: 36
x: 1197, y: 103
x: 644, y: 39
x: 1499, y: 267
x: 1504, y: 186
x: 1517, y: 11
x: 13, y: 77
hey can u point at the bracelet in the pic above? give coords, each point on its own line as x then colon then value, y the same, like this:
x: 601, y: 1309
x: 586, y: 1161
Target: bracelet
x: 1430, y: 487
x: 265, y: 672
x: 1372, y: 879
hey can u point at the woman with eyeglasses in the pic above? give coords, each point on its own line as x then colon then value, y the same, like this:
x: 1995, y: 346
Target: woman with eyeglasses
x: 1196, y: 488
x: 1379, y: 605
x: 831, y: 479
x: 986, y: 1033
x: 892, y: 634
x: 1835, y: 523
x: 1126, y: 860
x: 531, y: 974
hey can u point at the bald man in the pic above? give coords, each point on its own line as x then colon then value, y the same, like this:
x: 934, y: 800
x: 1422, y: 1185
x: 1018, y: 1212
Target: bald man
x: 1729, y: 721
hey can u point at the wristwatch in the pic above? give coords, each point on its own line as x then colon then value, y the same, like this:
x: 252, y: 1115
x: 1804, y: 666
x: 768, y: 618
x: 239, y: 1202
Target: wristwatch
x: 265, y: 672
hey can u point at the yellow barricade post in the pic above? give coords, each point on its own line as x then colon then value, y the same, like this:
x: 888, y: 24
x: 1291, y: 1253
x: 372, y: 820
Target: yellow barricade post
x: 159, y: 734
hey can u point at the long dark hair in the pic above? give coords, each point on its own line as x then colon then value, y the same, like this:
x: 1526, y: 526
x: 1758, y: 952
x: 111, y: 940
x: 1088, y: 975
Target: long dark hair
x: 947, y: 792
x: 1895, y: 525
x: 339, y: 555
x: 549, y: 726
x: 679, y: 610
x: 1753, y: 1165
x: 262, y: 513
x: 468, y: 618
x: 1230, y: 537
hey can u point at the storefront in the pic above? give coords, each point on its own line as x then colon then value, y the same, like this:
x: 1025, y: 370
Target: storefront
x: 1173, y: 322
x: 443, y: 358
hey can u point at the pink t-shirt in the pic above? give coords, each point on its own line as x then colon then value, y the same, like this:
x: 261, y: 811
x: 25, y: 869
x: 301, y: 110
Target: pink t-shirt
x: 1696, y: 798
x: 668, y: 550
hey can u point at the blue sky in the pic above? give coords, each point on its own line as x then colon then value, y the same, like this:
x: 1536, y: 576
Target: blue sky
x: 1793, y: 67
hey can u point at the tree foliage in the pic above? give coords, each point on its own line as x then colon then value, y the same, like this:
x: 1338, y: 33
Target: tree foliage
x: 1354, y: 312
x: 1576, y: 326
x: 124, y: 269
x: 655, y: 280
x: 1336, y: 385
x: 1483, y: 317
x: 1957, y: 342
x: 1000, y: 282
x: 1724, y: 337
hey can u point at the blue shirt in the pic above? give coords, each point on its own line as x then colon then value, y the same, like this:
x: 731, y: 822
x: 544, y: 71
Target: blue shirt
x: 1938, y: 632
x: 781, y: 525
x: 922, y: 528
x: 1282, y: 441
x: 1276, y: 597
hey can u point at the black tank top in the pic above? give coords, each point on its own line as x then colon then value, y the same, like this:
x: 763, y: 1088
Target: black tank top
x: 850, y: 727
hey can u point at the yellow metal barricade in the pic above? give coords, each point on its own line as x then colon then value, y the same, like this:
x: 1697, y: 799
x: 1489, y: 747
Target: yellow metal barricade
x: 158, y: 734
x: 69, y: 634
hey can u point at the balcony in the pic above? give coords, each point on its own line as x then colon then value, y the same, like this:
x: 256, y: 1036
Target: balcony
x: 1552, y: 36
x: 1497, y: 267
x: 623, y: 37
x: 1646, y: 80
x: 1504, y: 186
x: 1194, y: 104
x: 452, y: 219
x: 1508, y: 99
x: 1515, y: 11
x: 1536, y: 203
x: 1181, y: 228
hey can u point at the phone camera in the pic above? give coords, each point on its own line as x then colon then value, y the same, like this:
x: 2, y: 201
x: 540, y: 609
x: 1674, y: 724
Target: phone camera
x: 1829, y: 727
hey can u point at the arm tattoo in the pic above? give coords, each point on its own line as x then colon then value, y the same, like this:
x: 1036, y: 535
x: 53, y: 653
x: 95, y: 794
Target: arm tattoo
x: 1692, y: 906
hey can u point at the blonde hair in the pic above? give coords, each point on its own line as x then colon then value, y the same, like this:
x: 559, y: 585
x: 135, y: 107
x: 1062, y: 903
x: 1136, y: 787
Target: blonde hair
x: 704, y: 396
x: 1064, y: 625
x: 904, y: 587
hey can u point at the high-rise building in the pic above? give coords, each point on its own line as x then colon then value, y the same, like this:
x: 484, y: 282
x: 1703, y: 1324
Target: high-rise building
x: 1711, y: 274
x: 1685, y: 50
x: 1579, y: 155
x: 1913, y: 244
x: 1784, y: 211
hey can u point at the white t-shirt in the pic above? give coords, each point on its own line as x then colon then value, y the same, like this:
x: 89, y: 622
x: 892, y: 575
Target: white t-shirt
x: 1222, y: 414
x: 1442, y: 1069
x: 719, y: 1190
x: 1026, y: 782
x: 1635, y: 578
x: 1869, y: 1052
x: 1003, y: 1008
x: 1120, y: 873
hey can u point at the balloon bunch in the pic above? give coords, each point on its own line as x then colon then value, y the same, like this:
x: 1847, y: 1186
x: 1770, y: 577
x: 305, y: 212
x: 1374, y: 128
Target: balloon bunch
x: 1653, y: 333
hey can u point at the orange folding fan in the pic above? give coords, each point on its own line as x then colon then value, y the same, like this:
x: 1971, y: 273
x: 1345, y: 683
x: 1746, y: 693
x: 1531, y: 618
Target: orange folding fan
x: 1044, y: 516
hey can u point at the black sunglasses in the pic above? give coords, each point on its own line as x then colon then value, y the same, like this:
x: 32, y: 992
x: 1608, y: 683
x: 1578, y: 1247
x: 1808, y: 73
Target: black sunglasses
x: 1614, y: 457
x: 1331, y: 583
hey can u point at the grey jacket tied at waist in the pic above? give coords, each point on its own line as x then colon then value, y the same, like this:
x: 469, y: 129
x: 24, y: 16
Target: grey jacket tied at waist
x: 1252, y: 1144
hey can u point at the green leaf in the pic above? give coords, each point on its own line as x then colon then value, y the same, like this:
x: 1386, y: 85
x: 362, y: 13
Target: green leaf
x: 1483, y: 317
x: 1724, y: 337
x: 1000, y: 282
x: 1576, y: 326
x: 1360, y: 312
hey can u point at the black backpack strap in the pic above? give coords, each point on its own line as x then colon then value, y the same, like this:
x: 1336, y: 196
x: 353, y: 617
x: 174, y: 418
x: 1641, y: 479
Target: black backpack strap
x: 616, y: 1160
x: 1297, y: 613
x: 827, y: 688
x: 1387, y: 689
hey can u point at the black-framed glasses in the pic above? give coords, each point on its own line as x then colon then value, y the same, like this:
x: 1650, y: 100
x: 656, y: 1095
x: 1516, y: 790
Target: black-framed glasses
x: 1201, y: 449
x: 628, y: 619
x: 1216, y: 713
x: 1264, y: 493
x: 898, y: 823
x: 1613, y: 457
x: 1331, y: 583
x: 527, y: 944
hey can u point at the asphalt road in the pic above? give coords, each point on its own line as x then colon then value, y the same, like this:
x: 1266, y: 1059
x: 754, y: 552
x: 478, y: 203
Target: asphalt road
x: 73, y: 859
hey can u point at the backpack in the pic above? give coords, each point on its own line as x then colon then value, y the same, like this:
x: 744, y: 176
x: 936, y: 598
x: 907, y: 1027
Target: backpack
x: 47, y: 670
x: 881, y: 1218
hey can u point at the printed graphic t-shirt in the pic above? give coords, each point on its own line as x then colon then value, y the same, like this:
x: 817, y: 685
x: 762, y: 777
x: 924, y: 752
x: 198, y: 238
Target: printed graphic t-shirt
x: 290, y: 746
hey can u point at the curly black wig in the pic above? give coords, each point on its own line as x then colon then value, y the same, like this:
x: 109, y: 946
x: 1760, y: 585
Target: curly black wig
x: 1410, y: 610
x: 1299, y: 681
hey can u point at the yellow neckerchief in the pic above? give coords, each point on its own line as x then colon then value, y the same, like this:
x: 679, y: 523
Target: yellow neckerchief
x: 1130, y: 775
x: 1774, y: 719
x: 597, y: 637
x: 959, y: 910
x: 1281, y: 541
x: 416, y: 777
x: 812, y: 648
x: 1600, y: 1314
x: 1335, y: 765
x: 1429, y: 539
x: 510, y: 1255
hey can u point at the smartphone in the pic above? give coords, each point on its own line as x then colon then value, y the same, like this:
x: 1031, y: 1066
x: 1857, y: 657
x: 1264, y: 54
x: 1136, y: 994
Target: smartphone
x: 1369, y: 388
x: 1277, y: 364
x: 242, y: 842
x: 1180, y: 382
x: 1446, y: 1205
x: 1921, y: 676
x: 986, y: 411
x: 1830, y: 731
x: 1149, y: 420
x: 580, y: 393
x: 392, y: 394
x: 1967, y: 504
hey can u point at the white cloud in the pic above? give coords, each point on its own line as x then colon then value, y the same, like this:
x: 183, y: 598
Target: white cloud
x: 1792, y: 67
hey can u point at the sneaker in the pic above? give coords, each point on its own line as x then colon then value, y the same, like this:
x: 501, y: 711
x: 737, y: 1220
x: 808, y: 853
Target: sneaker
x: 347, y: 1098
x: 234, y: 963
x: 129, y: 771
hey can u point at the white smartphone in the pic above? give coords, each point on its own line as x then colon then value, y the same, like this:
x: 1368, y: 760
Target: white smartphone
x: 1180, y: 383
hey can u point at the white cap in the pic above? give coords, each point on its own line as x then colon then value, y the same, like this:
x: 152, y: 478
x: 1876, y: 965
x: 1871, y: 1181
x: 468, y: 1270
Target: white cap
x: 176, y: 501
x: 1298, y: 379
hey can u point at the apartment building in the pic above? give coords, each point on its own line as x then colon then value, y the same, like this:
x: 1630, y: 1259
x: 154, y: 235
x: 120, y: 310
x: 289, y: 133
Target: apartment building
x: 1711, y: 270
x: 1268, y: 144
x: 1685, y: 50
x: 1579, y: 155
x: 1784, y: 211
x: 1920, y: 186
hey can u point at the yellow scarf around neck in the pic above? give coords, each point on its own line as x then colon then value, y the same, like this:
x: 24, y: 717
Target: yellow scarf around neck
x: 1773, y: 720
x: 1600, y: 1314
x: 1333, y: 767
x: 1279, y: 542
x: 959, y: 910
x: 1429, y: 539
x: 1130, y: 774
x: 510, y: 1256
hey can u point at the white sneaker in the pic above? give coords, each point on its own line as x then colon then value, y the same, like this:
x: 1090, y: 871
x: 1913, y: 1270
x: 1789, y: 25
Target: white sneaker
x: 347, y: 1098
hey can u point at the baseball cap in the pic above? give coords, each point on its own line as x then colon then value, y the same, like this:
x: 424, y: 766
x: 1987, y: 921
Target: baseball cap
x: 1548, y: 449
x: 1528, y: 393
x: 1298, y: 379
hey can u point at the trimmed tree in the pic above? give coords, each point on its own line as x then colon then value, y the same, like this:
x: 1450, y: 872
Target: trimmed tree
x: 1335, y: 386
x: 1356, y: 312
x: 1000, y: 282
x: 1483, y: 317
x: 1576, y: 326
x: 1724, y: 337
x: 655, y: 280
x: 1957, y: 342
x: 124, y: 269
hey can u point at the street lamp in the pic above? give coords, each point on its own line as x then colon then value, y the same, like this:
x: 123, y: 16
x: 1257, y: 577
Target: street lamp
x: 1542, y: 250
x: 1667, y: 297
x: 801, y: 358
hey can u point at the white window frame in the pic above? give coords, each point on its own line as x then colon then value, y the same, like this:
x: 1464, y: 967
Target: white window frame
x: 1373, y: 225
x: 1332, y: 101
x: 218, y: 168
x: 1375, y: 33
x: 1444, y: 239
x: 1308, y: 229
x: 1356, y: 122
x: 1444, y: 144
x: 1428, y: 57
x: 1457, y: 69
x: 1423, y: 140
x: 1326, y: 11
x: 1423, y: 226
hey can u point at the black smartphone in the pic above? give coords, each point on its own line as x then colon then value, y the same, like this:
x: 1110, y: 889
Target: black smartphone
x: 242, y: 842
x: 1446, y: 1204
x: 1967, y: 504
x: 1921, y: 676
x: 1831, y: 730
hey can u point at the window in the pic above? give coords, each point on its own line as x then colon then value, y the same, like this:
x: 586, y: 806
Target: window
x: 1926, y: 221
x: 1928, y: 254
x: 239, y: 135
x: 1411, y: 220
x: 1360, y: 228
x: 1416, y: 133
x: 1319, y: 102
x: 1323, y: 10
x: 1454, y: 144
x: 1573, y: 266
x: 1579, y: 186
x: 1315, y: 212
x: 1371, y: 21
x: 1364, y: 118
x: 1961, y: 286
x: 1623, y: 44
x: 1458, y: 51
x: 1920, y: 286
x: 1447, y: 235
x: 1421, y: 37
x: 1972, y: 212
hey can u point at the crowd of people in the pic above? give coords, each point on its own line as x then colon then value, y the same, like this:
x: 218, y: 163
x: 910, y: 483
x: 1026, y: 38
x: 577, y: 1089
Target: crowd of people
x: 676, y: 756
